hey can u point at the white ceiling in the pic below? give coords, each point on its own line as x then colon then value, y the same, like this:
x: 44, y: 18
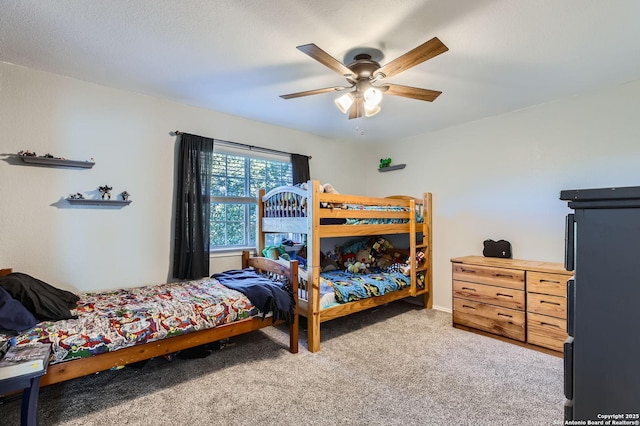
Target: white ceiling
x: 238, y: 56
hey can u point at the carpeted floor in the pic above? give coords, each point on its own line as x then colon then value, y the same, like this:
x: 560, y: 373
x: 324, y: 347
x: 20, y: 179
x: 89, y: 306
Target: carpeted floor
x: 395, y: 365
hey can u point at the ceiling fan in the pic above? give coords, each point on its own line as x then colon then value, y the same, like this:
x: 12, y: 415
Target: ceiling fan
x: 368, y: 78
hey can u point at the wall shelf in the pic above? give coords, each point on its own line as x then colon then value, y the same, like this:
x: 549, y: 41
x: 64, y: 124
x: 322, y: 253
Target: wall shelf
x: 390, y: 168
x: 98, y: 202
x: 56, y: 162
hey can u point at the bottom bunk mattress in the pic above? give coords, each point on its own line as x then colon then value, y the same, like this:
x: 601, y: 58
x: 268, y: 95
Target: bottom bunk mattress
x: 108, y: 321
x: 342, y: 286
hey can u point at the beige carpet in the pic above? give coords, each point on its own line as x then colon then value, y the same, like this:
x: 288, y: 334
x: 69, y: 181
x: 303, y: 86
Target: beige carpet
x: 395, y: 365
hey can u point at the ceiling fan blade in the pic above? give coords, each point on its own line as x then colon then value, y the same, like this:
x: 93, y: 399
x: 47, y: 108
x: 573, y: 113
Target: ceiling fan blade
x: 357, y: 109
x: 425, y: 51
x: 325, y: 59
x: 313, y: 92
x: 410, y: 92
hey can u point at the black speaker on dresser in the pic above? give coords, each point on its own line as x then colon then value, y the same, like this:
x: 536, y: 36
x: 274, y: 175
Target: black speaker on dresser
x: 602, y: 352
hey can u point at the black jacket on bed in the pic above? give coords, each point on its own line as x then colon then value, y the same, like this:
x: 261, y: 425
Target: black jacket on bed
x: 44, y: 301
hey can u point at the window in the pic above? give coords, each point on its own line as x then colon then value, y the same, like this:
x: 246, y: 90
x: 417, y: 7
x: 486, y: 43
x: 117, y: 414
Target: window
x: 236, y: 179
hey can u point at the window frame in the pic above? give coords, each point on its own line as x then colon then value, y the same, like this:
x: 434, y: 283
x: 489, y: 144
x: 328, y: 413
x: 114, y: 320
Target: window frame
x: 250, y: 229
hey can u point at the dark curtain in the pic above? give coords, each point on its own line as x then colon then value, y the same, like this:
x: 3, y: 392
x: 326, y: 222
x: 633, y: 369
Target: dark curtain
x: 193, y: 207
x: 300, y: 168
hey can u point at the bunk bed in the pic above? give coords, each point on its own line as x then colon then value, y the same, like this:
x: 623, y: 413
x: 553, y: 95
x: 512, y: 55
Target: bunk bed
x: 319, y: 215
x: 211, y: 301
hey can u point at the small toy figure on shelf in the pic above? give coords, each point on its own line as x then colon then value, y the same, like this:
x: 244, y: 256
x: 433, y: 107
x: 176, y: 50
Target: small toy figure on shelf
x: 125, y: 195
x: 76, y: 196
x: 26, y: 153
x: 384, y: 162
x: 47, y: 155
x: 105, y: 192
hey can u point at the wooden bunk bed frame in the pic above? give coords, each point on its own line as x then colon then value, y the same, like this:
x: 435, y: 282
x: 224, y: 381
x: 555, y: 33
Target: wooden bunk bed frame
x: 84, y: 366
x: 291, y: 209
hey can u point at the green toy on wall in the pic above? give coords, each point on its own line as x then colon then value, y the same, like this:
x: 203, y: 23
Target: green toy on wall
x: 384, y: 162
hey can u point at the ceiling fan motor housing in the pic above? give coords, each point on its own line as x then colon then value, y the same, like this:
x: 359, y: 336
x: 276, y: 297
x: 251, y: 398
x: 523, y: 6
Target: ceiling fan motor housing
x: 363, y: 66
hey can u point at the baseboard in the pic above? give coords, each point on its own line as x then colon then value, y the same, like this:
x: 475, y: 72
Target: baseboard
x: 419, y: 300
x: 443, y: 309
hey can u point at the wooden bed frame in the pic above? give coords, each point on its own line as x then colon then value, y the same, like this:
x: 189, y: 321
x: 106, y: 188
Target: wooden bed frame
x: 292, y: 209
x: 84, y: 366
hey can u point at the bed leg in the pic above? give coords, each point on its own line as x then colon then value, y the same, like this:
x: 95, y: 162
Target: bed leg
x: 313, y: 333
x: 428, y: 300
x: 293, y: 335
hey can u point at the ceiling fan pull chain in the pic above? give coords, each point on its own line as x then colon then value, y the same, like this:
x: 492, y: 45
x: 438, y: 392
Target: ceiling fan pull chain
x: 359, y: 120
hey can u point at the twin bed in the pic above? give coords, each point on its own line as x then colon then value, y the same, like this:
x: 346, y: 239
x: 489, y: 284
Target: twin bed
x: 117, y: 328
x: 321, y: 215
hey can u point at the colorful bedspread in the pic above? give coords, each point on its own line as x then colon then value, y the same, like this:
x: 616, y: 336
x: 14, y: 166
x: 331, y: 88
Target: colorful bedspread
x: 349, y: 287
x: 373, y: 221
x: 113, y: 320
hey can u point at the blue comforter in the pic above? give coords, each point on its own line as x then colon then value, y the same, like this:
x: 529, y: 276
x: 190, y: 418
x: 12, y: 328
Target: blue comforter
x: 264, y: 294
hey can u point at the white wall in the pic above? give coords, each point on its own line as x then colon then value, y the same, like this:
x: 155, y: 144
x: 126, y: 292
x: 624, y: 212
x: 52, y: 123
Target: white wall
x: 128, y: 135
x: 501, y: 177
x: 495, y: 178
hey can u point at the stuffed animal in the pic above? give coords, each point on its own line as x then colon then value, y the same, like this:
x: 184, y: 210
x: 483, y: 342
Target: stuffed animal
x: 406, y: 269
x: 327, y: 263
x: 384, y: 261
x: 364, y: 256
x: 379, y: 247
x: 354, y: 267
x: 358, y: 268
x: 419, y: 259
x: 335, y: 254
x: 348, y: 259
x: 328, y: 188
x: 353, y: 246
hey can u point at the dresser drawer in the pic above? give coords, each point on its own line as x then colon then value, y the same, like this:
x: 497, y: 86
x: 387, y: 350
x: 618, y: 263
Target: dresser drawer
x: 544, y: 304
x: 502, y: 277
x: 542, y: 282
x: 505, y: 297
x: 546, y: 331
x: 493, y: 319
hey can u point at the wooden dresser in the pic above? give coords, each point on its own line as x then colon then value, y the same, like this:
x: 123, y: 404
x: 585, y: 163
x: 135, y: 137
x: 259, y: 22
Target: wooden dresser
x: 521, y: 300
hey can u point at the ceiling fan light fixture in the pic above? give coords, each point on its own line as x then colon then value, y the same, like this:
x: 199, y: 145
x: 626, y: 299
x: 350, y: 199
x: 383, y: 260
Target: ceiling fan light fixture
x: 344, y: 102
x: 371, y: 111
x: 372, y: 97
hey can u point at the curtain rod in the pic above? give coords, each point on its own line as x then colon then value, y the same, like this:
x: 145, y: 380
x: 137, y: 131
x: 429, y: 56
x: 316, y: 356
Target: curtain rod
x: 250, y: 147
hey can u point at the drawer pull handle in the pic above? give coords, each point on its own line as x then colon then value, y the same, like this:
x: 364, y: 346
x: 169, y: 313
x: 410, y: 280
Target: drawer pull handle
x: 550, y: 281
x: 550, y: 303
x: 504, y: 295
x: 504, y: 315
x: 499, y: 275
x: 469, y: 288
x: 549, y: 324
x: 468, y: 307
x: 471, y: 271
